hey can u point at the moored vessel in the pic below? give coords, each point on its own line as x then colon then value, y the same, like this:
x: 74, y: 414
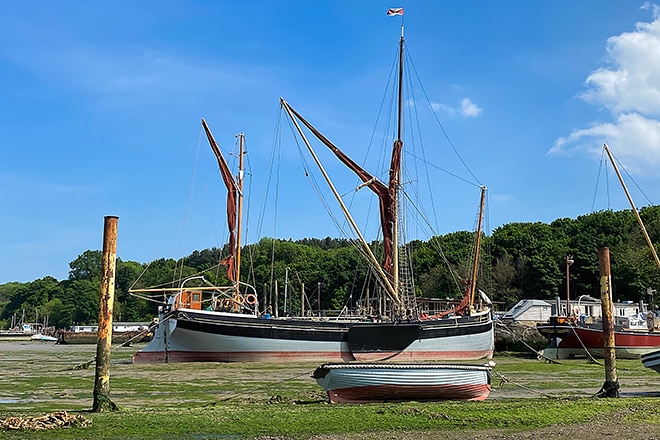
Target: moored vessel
x: 204, y: 322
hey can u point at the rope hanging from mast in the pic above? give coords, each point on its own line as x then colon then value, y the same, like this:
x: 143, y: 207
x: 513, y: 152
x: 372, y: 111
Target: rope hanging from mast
x: 632, y: 205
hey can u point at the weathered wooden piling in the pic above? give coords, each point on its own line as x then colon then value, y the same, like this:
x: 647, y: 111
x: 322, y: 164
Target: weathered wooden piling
x: 102, y: 400
x: 611, y: 386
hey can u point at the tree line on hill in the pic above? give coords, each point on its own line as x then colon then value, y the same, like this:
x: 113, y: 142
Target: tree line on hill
x: 520, y: 260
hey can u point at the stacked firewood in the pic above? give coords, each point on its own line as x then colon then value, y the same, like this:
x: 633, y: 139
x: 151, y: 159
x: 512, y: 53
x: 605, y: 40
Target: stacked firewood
x: 60, y: 419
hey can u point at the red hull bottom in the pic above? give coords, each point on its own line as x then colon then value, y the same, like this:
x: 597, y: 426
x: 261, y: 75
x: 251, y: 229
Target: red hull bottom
x: 424, y: 356
x: 290, y: 356
x: 144, y: 357
x: 401, y: 393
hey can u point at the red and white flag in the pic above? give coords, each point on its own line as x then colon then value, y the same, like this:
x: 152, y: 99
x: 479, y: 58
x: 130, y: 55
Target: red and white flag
x: 395, y: 11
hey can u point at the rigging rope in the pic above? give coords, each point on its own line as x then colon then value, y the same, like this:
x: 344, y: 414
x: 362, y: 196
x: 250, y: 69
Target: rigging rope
x: 607, y: 187
x: 435, y: 115
x: 591, y: 358
x: 434, y: 243
x: 603, y: 164
x: 504, y: 379
x: 631, y: 178
x: 87, y: 364
x: 521, y: 340
x: 341, y: 226
x: 188, y: 210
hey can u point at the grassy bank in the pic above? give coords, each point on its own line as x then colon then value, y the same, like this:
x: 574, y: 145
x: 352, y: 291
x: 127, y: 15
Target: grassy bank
x: 209, y: 400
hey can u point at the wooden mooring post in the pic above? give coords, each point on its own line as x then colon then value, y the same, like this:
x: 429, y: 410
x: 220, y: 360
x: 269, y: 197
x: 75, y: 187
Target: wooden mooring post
x: 611, y: 386
x: 102, y: 400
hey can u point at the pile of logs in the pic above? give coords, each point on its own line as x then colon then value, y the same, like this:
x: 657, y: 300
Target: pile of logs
x: 50, y: 421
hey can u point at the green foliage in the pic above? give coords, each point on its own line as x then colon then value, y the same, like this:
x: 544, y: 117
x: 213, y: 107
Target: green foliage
x: 535, y: 249
x: 443, y: 264
x: 506, y: 278
x: 87, y: 266
x: 526, y: 260
x: 29, y: 299
x: 84, y: 294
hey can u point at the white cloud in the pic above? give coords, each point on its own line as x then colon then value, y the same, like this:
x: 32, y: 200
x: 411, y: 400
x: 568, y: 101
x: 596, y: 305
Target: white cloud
x: 438, y: 107
x: 469, y: 109
x: 629, y: 88
x: 635, y: 138
x: 633, y: 83
x: 465, y: 108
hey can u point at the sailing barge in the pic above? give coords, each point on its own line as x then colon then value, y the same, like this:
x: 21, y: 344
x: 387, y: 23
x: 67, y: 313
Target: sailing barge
x: 203, y: 322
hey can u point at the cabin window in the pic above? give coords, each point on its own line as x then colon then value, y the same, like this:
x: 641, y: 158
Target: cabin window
x: 589, y: 310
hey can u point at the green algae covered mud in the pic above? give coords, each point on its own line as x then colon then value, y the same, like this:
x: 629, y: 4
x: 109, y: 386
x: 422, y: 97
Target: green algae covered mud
x: 529, y: 398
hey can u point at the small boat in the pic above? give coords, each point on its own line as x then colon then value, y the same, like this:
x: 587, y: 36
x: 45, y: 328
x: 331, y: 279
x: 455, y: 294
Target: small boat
x: 570, y: 337
x: 21, y: 333
x: 575, y: 340
x: 379, y: 382
x: 652, y: 360
x: 43, y: 338
x: 122, y: 333
x: 20, y: 330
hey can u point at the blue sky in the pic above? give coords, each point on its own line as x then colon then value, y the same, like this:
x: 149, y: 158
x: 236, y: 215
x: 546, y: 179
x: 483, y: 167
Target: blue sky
x: 100, y: 108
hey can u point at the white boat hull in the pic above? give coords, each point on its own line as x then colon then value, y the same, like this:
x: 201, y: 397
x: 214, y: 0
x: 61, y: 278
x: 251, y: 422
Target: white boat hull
x: 652, y: 360
x: 197, y: 335
x: 360, y: 383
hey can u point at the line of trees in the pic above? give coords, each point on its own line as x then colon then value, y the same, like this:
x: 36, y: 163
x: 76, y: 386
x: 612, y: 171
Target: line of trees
x: 520, y: 260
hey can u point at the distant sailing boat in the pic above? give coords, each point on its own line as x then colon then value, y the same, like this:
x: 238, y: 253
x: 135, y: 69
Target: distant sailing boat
x: 232, y: 330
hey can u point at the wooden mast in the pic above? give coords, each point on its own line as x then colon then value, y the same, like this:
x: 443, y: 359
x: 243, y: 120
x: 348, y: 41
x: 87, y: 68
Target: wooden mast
x: 395, y: 193
x: 388, y: 194
x: 239, y: 213
x: 475, y: 265
x: 632, y: 204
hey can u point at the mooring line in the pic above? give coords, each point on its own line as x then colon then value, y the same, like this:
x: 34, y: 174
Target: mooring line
x: 591, y: 358
x: 87, y: 364
x: 265, y: 388
x: 505, y: 379
x: 538, y: 353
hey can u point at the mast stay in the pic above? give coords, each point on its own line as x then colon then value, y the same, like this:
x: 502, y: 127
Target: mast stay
x: 632, y: 205
x: 370, y: 181
x: 391, y: 269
